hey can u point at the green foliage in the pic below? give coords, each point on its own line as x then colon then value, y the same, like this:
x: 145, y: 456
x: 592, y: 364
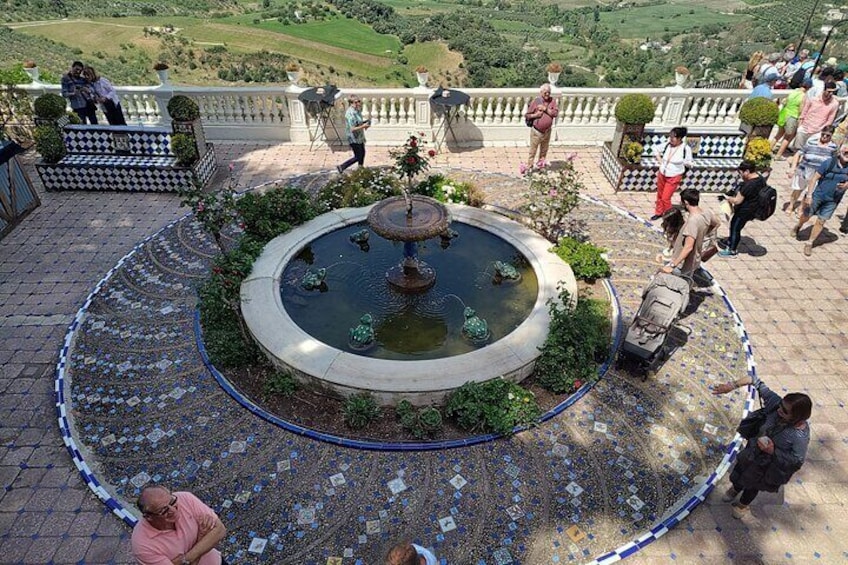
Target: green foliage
x: 265, y: 216
x: 445, y: 189
x: 184, y: 148
x: 49, y: 143
x: 578, y: 341
x: 360, y: 410
x: 183, y: 109
x: 631, y: 151
x: 361, y: 187
x: 73, y: 118
x: 759, y: 112
x: 552, y: 195
x: 421, y: 423
x: 281, y: 382
x: 635, y: 109
x: 214, y: 210
x: 49, y: 106
x: 758, y: 151
x: 411, y: 159
x: 584, y: 258
x: 494, y: 406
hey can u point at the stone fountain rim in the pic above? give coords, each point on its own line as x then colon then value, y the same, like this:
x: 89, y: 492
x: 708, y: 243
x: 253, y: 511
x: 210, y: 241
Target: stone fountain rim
x: 427, y: 381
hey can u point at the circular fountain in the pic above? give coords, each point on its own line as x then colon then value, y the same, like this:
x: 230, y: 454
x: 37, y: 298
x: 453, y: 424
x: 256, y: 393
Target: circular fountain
x: 343, y: 367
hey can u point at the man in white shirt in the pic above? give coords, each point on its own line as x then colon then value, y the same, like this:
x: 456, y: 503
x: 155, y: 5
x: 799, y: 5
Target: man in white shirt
x: 410, y: 554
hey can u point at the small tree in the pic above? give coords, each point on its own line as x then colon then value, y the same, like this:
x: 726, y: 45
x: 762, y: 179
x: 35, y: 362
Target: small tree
x: 214, y: 210
x: 552, y: 195
x: 410, y: 160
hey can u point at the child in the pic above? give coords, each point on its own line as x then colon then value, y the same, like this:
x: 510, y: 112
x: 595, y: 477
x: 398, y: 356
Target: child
x: 672, y: 222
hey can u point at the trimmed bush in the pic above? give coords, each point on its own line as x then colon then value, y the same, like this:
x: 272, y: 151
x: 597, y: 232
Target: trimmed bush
x: 49, y: 106
x: 265, y: 216
x: 759, y: 112
x: 635, y: 109
x: 360, y: 410
x: 584, y: 258
x: 184, y: 148
x: 183, y: 109
x: 578, y: 341
x: 49, y: 143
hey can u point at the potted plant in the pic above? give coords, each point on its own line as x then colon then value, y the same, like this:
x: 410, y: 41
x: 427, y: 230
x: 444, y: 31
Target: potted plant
x: 51, y: 110
x: 758, y: 116
x: 31, y: 68
x: 631, y: 152
x: 185, y: 119
x: 422, y: 74
x: 758, y: 152
x: 554, y: 69
x: 681, y: 76
x: 49, y: 143
x: 293, y: 72
x: 161, y: 69
x: 632, y: 112
x: 184, y: 149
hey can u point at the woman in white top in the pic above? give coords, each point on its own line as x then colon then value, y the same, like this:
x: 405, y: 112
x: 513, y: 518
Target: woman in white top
x: 673, y: 162
x: 106, y: 96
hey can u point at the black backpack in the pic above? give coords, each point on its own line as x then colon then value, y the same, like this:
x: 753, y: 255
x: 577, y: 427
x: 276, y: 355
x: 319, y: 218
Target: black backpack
x: 766, y: 203
x: 797, y: 77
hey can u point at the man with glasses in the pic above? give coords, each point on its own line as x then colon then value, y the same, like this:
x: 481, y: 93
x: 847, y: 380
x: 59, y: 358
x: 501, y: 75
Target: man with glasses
x: 805, y: 163
x: 830, y: 182
x: 541, y: 113
x: 817, y: 111
x: 176, y: 528
x: 79, y: 94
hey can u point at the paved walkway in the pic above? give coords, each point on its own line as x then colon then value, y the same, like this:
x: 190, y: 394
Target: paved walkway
x: 794, y: 308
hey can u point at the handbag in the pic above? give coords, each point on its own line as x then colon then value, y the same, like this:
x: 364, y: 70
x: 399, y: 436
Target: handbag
x: 750, y: 425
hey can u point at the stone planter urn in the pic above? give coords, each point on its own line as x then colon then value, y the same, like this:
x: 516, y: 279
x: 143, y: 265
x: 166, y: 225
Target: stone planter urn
x: 32, y: 72
x: 293, y: 76
x: 163, y: 76
x: 422, y: 78
x: 553, y: 78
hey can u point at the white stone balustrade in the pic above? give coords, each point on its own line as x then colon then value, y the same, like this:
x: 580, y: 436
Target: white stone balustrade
x: 493, y: 116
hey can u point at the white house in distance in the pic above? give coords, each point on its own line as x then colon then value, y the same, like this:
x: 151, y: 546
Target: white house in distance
x: 834, y: 14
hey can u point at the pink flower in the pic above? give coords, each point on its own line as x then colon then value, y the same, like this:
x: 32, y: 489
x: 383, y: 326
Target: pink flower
x: 571, y: 156
x: 577, y: 384
x: 522, y: 168
x: 431, y: 153
x: 232, y: 166
x: 552, y: 192
x: 411, y: 160
x: 413, y: 143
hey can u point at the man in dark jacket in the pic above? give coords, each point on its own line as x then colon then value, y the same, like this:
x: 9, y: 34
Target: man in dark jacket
x: 79, y: 94
x: 745, y: 204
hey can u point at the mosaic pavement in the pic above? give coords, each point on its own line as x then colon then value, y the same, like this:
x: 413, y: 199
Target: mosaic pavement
x: 793, y: 307
x: 624, y: 458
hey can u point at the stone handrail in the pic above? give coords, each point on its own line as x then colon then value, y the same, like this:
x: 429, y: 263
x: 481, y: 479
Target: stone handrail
x: 493, y: 116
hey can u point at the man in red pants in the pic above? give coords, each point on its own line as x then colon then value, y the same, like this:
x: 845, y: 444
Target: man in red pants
x: 673, y: 162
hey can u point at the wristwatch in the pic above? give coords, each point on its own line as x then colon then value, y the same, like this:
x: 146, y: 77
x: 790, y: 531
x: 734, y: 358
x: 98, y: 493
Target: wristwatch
x: 185, y: 561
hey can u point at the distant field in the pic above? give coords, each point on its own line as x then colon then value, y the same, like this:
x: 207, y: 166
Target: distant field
x: 652, y: 21
x: 90, y: 36
x: 339, y: 32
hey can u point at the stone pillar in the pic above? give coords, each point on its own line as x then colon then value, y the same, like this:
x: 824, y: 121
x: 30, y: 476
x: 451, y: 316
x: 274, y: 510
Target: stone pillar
x: 423, y: 111
x: 675, y: 106
x: 162, y: 94
x: 297, y: 115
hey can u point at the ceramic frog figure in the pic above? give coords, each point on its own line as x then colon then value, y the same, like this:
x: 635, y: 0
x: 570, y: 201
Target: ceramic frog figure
x: 504, y: 270
x: 313, y: 280
x: 475, y: 328
x: 362, y: 335
x: 360, y: 237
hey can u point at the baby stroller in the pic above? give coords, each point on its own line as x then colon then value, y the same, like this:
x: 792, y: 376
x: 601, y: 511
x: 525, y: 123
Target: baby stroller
x: 663, y: 301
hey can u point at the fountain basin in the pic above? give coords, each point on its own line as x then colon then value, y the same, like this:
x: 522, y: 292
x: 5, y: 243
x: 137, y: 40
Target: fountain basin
x: 342, y: 373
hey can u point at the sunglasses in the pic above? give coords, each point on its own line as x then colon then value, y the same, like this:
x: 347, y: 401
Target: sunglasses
x: 162, y: 511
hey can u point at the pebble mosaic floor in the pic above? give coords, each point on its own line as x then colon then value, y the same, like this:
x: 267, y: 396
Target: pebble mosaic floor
x: 620, y: 462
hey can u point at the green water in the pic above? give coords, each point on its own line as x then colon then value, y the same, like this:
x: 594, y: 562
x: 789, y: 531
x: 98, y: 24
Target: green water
x: 408, y: 327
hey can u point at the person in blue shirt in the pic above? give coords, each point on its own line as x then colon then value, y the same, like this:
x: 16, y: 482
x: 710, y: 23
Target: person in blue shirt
x: 763, y: 89
x: 355, y: 128
x: 830, y: 182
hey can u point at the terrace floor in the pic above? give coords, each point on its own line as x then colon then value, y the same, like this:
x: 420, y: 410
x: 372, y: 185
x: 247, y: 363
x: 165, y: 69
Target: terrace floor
x: 519, y: 499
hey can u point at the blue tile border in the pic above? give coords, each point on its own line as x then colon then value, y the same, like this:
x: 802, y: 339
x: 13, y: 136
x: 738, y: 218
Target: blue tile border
x: 246, y: 402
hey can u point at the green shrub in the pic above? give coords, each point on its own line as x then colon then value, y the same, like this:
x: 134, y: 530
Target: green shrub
x: 360, y: 410
x: 494, y: 406
x: 424, y: 422
x: 759, y: 112
x: 584, y: 258
x: 49, y: 106
x: 49, y: 143
x: 184, y: 148
x: 265, y: 216
x: 183, y: 109
x: 578, y: 341
x: 361, y: 187
x: 281, y: 382
x: 447, y: 190
x: 635, y: 109
x: 73, y: 118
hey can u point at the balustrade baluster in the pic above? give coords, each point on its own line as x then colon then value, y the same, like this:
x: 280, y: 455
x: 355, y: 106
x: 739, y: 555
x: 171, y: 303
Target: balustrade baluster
x: 499, y: 116
x: 393, y: 110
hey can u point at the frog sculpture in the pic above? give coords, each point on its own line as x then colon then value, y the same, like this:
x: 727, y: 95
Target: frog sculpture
x: 360, y: 237
x: 362, y: 336
x: 505, y: 271
x: 313, y: 280
x: 475, y: 328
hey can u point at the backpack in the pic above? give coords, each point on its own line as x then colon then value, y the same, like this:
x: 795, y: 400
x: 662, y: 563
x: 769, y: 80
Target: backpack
x: 766, y: 203
x: 797, y: 77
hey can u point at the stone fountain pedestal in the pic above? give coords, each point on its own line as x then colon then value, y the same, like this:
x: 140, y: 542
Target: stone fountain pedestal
x: 392, y: 220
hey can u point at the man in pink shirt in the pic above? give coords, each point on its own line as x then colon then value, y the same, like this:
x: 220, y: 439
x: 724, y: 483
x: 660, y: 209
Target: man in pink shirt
x: 542, y: 112
x: 816, y: 113
x: 176, y: 529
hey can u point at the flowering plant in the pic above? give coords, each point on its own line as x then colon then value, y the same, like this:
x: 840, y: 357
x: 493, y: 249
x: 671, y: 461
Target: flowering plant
x: 631, y: 152
x: 552, y: 195
x: 213, y: 210
x: 361, y: 187
x: 452, y: 191
x: 410, y: 158
x: 758, y: 152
